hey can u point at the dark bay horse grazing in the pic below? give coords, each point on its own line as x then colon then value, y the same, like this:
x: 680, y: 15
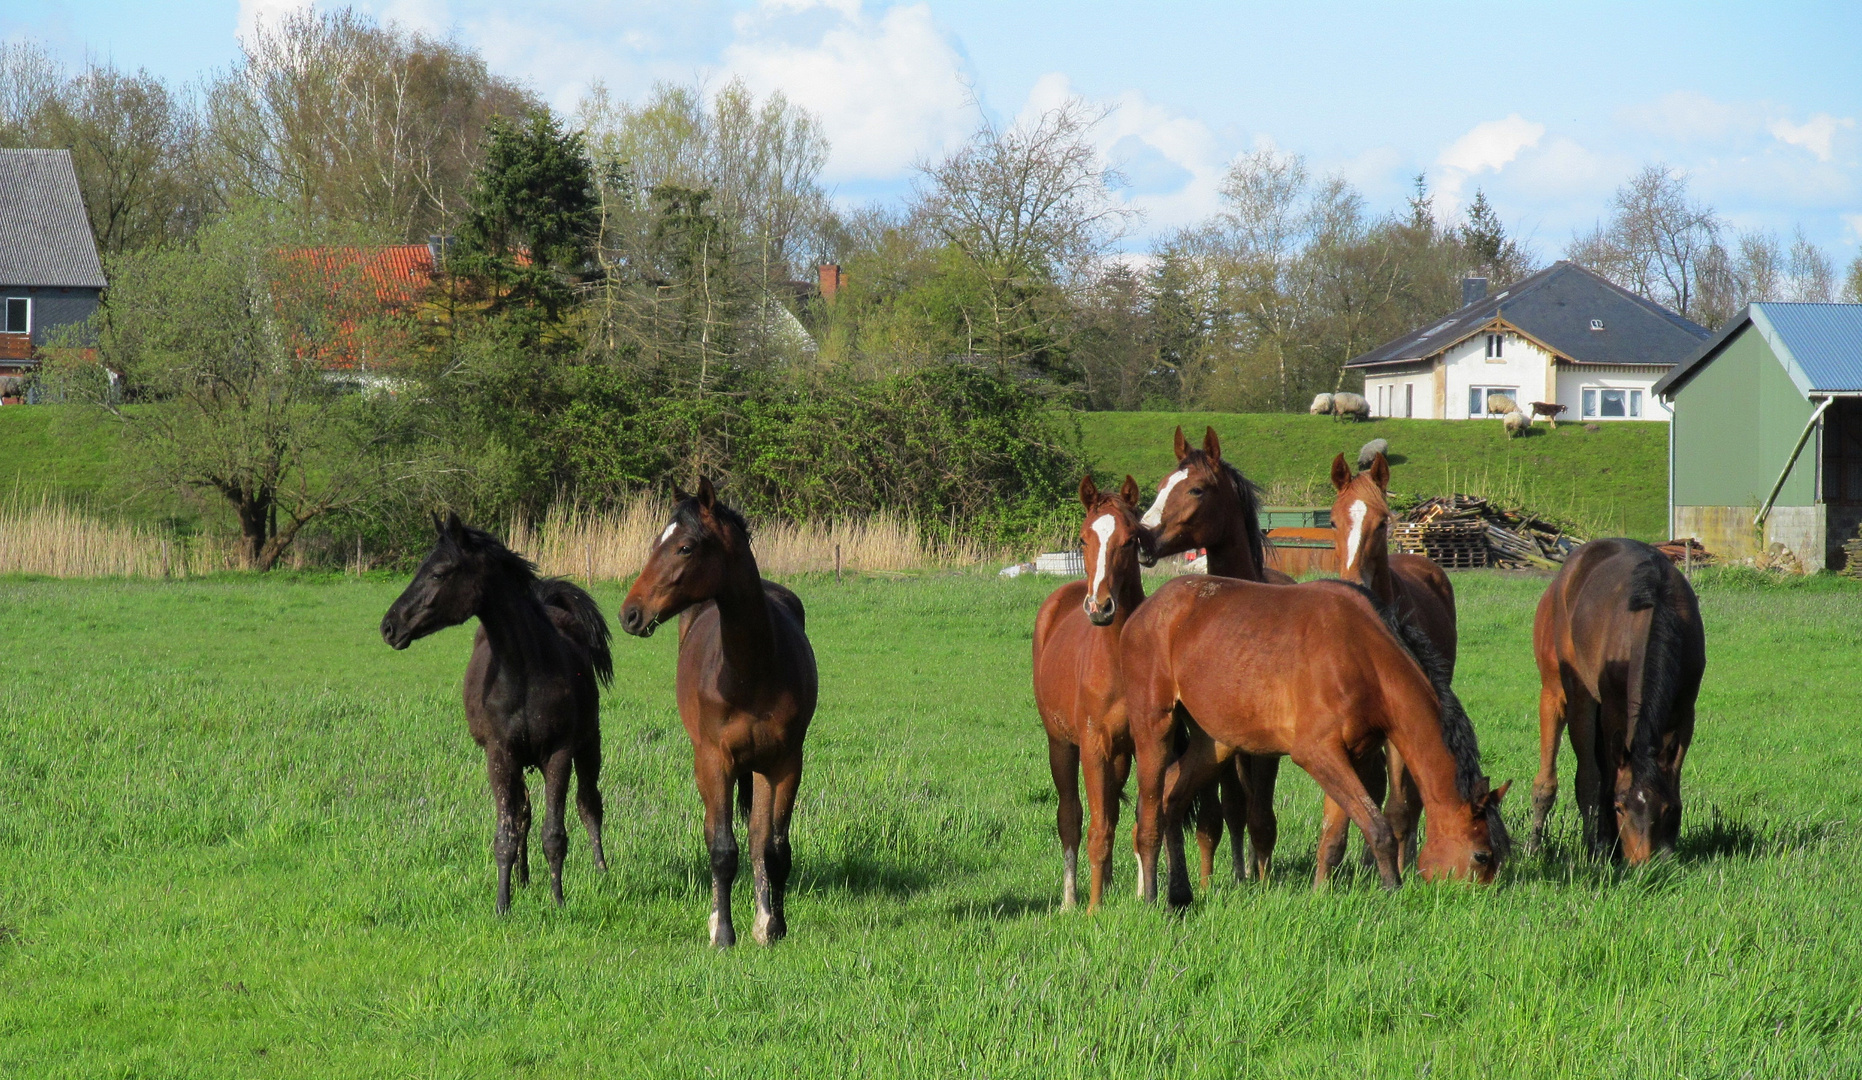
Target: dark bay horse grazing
x: 1216, y: 666
x: 1207, y: 503
x: 1079, y: 683
x: 746, y: 689
x: 1621, y: 653
x: 1419, y: 593
x: 531, y: 695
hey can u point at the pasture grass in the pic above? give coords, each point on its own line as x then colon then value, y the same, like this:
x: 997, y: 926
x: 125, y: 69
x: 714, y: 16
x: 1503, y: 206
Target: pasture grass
x: 1610, y: 482
x: 241, y: 837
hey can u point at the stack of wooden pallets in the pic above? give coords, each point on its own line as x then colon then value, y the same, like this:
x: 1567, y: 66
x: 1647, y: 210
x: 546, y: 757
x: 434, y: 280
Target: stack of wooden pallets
x: 1470, y: 532
x: 1852, y: 556
x: 1452, y: 544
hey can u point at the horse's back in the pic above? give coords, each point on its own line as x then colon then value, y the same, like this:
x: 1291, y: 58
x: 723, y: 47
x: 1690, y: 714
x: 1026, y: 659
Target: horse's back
x: 785, y: 596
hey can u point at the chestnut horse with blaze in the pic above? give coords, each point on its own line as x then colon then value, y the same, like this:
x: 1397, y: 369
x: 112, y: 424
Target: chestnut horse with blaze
x: 746, y: 689
x: 1417, y: 591
x: 1216, y: 666
x: 1079, y: 683
x: 1621, y: 653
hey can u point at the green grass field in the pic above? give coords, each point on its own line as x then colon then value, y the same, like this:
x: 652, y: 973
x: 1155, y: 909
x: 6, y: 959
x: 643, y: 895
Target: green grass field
x: 241, y: 837
x: 1613, y: 480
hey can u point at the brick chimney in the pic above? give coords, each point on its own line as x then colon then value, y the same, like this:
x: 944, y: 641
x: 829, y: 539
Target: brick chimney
x: 1473, y: 289
x: 830, y: 279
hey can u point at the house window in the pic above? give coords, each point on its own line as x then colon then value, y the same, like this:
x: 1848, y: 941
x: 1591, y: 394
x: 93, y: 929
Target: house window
x: 1495, y: 344
x: 18, y: 315
x: 1605, y: 403
x: 1409, y: 399
x: 1478, y: 395
x: 1381, y: 411
x: 1596, y: 324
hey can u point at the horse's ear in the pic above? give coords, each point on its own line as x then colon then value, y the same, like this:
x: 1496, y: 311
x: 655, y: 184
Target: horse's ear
x: 1212, y: 446
x: 1380, y: 471
x: 1182, y: 445
x: 454, y: 527
x: 1129, y: 491
x: 439, y: 527
x: 1089, y: 492
x: 679, y: 494
x: 707, y: 495
x: 1341, y: 473
x: 1494, y: 796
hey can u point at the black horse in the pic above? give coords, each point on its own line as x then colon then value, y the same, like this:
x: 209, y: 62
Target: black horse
x: 531, y: 698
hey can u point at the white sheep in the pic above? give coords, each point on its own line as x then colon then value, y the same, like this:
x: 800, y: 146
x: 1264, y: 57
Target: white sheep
x: 1502, y: 404
x: 1353, y: 406
x: 1516, y: 423
x: 1321, y: 405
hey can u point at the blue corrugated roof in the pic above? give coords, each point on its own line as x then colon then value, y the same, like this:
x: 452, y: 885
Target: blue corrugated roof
x: 1825, y: 340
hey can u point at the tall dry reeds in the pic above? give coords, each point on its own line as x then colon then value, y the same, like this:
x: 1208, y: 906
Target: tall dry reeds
x: 54, y: 540
x: 614, y: 546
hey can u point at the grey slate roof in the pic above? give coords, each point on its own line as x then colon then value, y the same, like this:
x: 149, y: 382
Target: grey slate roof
x: 1820, y: 345
x: 45, y: 236
x: 1556, y: 306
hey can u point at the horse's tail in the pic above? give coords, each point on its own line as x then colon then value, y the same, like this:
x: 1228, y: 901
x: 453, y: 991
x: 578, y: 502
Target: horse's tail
x: 1457, y: 729
x: 745, y: 787
x: 1654, y: 674
x: 588, y: 627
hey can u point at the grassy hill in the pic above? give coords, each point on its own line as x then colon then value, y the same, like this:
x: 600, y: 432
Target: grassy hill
x: 1611, y: 481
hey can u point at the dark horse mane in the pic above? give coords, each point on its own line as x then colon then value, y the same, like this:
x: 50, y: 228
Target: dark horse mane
x: 1250, y: 495
x: 588, y: 628
x: 686, y: 512
x: 1457, y: 729
x: 1649, y: 591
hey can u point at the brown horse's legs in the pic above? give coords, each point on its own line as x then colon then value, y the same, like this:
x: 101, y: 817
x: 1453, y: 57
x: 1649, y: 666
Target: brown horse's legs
x: 1581, y: 722
x: 1234, y: 813
x: 1260, y: 772
x: 774, y: 802
x: 1545, y: 785
x: 588, y: 797
x: 1188, y: 776
x: 1147, y: 833
x: 1102, y: 809
x: 715, y: 782
x: 1208, y: 830
x: 509, y: 799
x: 1336, y: 830
x: 1402, y: 805
x: 1063, y: 761
x: 555, y: 796
x: 1337, y: 776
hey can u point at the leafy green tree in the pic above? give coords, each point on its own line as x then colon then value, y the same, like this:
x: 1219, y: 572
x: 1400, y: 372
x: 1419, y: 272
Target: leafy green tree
x: 532, y: 214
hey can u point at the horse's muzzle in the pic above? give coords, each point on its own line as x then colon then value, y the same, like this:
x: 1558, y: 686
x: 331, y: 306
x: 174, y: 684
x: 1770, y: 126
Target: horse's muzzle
x: 1101, y: 616
x: 395, y: 633
x: 634, y: 620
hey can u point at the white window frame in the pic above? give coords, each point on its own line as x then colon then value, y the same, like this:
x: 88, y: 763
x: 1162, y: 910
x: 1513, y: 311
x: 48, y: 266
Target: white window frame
x: 1590, y: 402
x: 1486, y: 392
x: 1496, y: 347
x: 27, y: 300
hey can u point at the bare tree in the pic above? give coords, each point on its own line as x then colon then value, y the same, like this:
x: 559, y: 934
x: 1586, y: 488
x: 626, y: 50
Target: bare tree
x: 1852, y: 282
x: 1813, y: 276
x: 1657, y: 242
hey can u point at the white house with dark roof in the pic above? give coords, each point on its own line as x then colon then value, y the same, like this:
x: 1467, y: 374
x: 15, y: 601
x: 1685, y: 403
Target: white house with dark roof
x: 50, y: 276
x: 1563, y: 336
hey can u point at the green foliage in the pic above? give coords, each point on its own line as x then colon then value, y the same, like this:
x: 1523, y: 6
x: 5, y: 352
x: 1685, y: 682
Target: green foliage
x: 531, y: 213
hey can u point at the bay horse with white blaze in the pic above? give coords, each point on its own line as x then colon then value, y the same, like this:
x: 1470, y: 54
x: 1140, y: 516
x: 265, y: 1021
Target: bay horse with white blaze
x: 1079, y: 682
x: 746, y: 687
x: 1418, y: 592
x: 532, y: 698
x: 1621, y: 653
x: 1216, y: 666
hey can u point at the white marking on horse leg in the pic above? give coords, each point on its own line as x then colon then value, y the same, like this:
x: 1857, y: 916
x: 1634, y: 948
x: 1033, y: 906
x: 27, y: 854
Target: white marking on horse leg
x: 1070, y: 884
x: 1356, y: 538
x: 1102, y: 528
x: 764, y: 917
x: 1155, y: 515
x: 713, y: 924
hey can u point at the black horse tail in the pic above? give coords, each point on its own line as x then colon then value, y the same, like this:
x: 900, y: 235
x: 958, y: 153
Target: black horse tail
x: 1655, y: 676
x: 589, y: 628
x: 1457, y: 729
x: 745, y: 786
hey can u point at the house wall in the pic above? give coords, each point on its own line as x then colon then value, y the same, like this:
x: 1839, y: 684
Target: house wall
x: 1522, y: 364
x: 1573, y: 378
x: 1390, y: 390
x: 54, y: 308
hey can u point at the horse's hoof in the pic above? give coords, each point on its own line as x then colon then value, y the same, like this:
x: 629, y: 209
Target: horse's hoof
x: 770, y: 930
x: 723, y: 935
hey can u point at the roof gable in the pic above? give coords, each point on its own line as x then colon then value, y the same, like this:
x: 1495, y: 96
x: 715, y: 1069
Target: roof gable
x: 1555, y: 307
x: 45, y: 236
x: 1818, y: 345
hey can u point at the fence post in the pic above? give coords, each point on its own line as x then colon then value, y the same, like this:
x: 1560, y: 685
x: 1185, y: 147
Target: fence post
x: 837, y: 564
x: 358, y: 554
x: 588, y: 550
x: 164, y: 559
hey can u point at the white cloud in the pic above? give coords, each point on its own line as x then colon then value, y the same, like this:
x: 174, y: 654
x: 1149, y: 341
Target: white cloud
x: 1488, y: 146
x: 889, y: 87
x: 1854, y: 221
x: 1689, y: 116
x: 256, y: 13
x: 1815, y: 135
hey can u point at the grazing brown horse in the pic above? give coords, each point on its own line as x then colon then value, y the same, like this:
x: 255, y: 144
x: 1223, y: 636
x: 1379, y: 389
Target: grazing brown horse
x: 746, y: 689
x: 1216, y: 666
x: 1079, y: 683
x: 1621, y: 653
x: 531, y: 695
x: 1418, y: 592
x: 1207, y: 503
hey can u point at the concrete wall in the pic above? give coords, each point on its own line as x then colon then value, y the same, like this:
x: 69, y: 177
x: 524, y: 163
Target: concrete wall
x: 1727, y: 531
x: 1522, y: 365
x: 1404, y: 391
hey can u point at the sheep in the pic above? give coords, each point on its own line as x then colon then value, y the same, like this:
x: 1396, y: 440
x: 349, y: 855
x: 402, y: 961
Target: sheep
x: 1502, y: 404
x: 1351, y: 406
x: 1516, y: 423
x: 1369, y: 452
x: 1321, y: 405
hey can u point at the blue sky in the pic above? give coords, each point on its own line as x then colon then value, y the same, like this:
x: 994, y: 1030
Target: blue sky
x: 1547, y: 107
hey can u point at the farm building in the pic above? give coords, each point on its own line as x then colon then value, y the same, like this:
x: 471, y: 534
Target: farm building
x: 50, y: 276
x: 1766, y: 444
x: 1563, y: 336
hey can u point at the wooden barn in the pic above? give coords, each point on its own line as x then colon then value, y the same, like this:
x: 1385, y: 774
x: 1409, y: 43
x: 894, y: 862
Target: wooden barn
x: 1766, y: 442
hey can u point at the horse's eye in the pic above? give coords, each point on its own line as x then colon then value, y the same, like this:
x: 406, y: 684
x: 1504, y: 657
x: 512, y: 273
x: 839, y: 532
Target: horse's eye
x: 685, y: 549
x: 1482, y: 858
x: 1196, y: 491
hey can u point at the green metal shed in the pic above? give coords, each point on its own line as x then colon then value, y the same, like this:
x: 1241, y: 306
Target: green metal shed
x: 1766, y: 443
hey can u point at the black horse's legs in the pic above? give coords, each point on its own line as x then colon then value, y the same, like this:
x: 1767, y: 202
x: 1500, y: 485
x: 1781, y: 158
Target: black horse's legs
x: 1260, y: 771
x: 523, y: 831
x: 716, y: 780
x: 776, y: 791
x: 507, y: 795
x: 1235, y: 813
x: 555, y: 795
x: 588, y: 796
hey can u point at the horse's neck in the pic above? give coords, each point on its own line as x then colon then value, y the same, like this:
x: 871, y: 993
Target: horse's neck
x: 1127, y: 591
x: 1233, y: 556
x: 516, y: 626
x: 1425, y: 753
x: 746, y: 635
x: 1378, y: 577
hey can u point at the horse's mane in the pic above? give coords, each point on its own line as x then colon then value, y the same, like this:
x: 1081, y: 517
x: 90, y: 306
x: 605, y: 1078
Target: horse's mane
x: 480, y: 542
x: 587, y: 626
x: 1457, y: 729
x: 688, y: 513
x: 1649, y: 591
x: 1250, y: 495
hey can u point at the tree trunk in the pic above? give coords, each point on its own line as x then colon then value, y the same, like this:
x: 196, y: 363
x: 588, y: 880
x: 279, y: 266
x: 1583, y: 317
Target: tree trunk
x: 254, y: 526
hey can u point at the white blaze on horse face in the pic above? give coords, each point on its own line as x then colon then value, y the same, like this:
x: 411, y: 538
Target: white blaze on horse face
x: 1356, y: 538
x: 1155, y: 515
x: 1102, y: 527
x: 667, y: 535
